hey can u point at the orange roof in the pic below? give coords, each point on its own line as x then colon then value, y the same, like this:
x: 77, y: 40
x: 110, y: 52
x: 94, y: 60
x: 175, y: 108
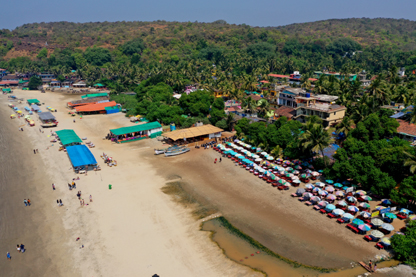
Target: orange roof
x: 95, y: 107
x: 279, y: 76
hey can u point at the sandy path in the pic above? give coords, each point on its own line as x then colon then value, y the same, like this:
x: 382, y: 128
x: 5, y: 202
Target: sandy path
x: 133, y: 229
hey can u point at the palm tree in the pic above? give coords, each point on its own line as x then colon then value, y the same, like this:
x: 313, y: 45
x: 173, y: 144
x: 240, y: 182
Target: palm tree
x: 263, y: 106
x: 345, y: 126
x: 316, y: 139
x: 411, y: 161
x: 277, y: 151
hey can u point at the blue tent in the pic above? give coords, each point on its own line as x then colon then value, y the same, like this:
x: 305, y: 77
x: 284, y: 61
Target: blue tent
x: 80, y: 155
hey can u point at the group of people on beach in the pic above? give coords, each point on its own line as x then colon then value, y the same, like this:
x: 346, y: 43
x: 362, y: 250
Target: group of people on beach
x: 26, y: 202
x: 20, y: 248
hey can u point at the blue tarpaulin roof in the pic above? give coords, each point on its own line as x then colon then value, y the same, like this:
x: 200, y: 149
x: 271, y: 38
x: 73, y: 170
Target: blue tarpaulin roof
x: 80, y: 155
x: 397, y: 115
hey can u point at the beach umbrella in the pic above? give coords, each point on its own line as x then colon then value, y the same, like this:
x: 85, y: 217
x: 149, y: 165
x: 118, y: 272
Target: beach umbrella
x: 357, y: 221
x: 316, y: 189
x: 329, y: 188
x: 315, y: 199
x: 330, y: 207
x: 378, y: 208
x: 386, y: 202
x: 365, y: 214
x: 346, y: 183
x: 264, y: 154
x: 377, y: 234
x: 347, y: 216
x: 377, y: 222
x: 345, y: 188
x: 387, y: 227
x: 307, y: 195
x: 360, y: 192
x: 351, y: 199
x: 298, y: 167
x: 385, y: 241
x: 338, y: 185
x: 364, y: 227
x: 331, y: 197
x: 405, y: 211
x: 12, y: 115
x: 390, y: 215
x: 281, y: 181
x: 270, y: 158
x: 295, y: 172
x: 323, y: 204
x: 412, y: 217
x: 366, y: 198
x: 353, y: 209
x: 364, y: 205
x: 296, y: 181
x: 338, y: 212
x: 329, y: 181
x: 323, y: 193
x: 256, y: 156
x: 340, y: 193
x: 299, y: 191
x: 342, y: 203
x: 319, y: 184
x: 19, y: 111
x: 304, y: 176
x: 309, y: 186
x: 314, y: 173
x: 15, y: 108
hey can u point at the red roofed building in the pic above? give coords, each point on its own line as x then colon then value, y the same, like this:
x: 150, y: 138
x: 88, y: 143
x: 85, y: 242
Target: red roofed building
x: 406, y: 130
x: 284, y: 111
x: 95, y: 108
x: 9, y: 83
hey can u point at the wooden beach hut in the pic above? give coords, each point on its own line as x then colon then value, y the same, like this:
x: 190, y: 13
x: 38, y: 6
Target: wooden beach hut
x: 136, y: 132
x: 194, y: 134
x: 47, y: 119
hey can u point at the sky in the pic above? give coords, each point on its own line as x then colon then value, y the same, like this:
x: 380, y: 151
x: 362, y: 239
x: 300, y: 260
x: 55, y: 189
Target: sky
x: 254, y: 13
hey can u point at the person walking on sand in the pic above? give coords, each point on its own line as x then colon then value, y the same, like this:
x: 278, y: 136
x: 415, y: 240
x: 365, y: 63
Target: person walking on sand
x: 28, y: 201
x: 22, y: 248
x: 18, y: 248
x: 25, y: 202
x: 8, y: 256
x: 220, y: 159
x: 57, y: 201
x: 53, y: 186
x: 34, y: 151
x: 370, y: 265
x: 90, y: 198
x: 375, y: 267
x: 80, y: 203
x: 60, y: 202
x: 83, y: 203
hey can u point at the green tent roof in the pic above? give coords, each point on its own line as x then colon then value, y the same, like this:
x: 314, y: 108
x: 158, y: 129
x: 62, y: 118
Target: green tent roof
x: 7, y: 89
x: 68, y: 136
x: 33, y: 101
x: 136, y: 128
x: 92, y: 95
x: 99, y: 85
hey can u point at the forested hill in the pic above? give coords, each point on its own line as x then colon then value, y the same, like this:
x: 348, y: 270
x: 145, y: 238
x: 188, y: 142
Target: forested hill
x: 29, y: 38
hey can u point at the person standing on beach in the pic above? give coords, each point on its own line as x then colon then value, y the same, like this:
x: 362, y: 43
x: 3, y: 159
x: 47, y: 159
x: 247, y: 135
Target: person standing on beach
x: 8, y: 256
x: 80, y: 202
x: 22, y: 248
x: 375, y: 267
x: 370, y: 265
x: 34, y: 151
x: 60, y: 202
x: 18, y: 248
x: 28, y: 201
x: 220, y: 159
x: 57, y: 201
x: 83, y: 203
x: 25, y: 202
x: 53, y: 186
x: 90, y: 198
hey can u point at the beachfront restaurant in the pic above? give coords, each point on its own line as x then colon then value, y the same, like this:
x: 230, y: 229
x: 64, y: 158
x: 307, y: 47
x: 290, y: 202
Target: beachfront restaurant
x: 48, y: 120
x: 194, y: 134
x: 136, y: 132
x: 96, y: 108
x: 94, y: 95
x: 33, y: 101
x: 81, y: 157
x: 68, y: 137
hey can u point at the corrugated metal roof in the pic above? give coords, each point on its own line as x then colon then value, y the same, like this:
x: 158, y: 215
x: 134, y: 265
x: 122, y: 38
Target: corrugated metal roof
x: 68, y: 136
x: 136, y: 128
x: 92, y: 95
x: 95, y: 107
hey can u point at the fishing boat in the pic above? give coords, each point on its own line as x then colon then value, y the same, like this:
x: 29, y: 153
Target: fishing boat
x: 177, y: 151
x: 171, y: 148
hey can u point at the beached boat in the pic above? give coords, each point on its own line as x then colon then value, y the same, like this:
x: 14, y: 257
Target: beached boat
x: 162, y: 151
x: 177, y: 152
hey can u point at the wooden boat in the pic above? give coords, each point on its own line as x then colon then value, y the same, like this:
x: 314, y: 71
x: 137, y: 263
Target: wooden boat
x: 162, y: 151
x: 176, y: 152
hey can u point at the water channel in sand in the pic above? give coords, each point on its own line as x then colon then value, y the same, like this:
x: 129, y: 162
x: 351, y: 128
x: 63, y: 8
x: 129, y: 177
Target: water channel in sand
x: 241, y: 251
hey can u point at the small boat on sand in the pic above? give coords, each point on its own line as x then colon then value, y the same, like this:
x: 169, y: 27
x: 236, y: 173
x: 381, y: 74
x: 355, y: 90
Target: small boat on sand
x: 162, y: 151
x: 177, y: 152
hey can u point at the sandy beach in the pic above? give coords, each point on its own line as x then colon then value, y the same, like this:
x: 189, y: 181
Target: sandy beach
x: 134, y: 228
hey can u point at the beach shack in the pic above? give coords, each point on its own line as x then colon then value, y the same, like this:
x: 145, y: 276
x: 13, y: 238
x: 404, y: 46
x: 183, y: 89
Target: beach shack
x: 81, y: 157
x: 136, y: 132
x: 48, y: 120
x: 33, y: 101
x: 35, y: 108
x: 87, y: 101
x: 80, y: 84
x: 194, y: 134
x: 7, y: 90
x: 96, y: 108
x: 94, y: 95
x: 68, y: 137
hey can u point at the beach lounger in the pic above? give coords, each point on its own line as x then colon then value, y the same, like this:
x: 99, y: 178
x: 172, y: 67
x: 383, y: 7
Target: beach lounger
x: 323, y: 211
x: 307, y: 203
x: 355, y: 230
x: 316, y: 207
x: 368, y: 238
x: 340, y: 220
x: 293, y: 194
x: 349, y: 226
x: 331, y: 215
x: 401, y: 216
x: 379, y: 246
x: 301, y: 199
